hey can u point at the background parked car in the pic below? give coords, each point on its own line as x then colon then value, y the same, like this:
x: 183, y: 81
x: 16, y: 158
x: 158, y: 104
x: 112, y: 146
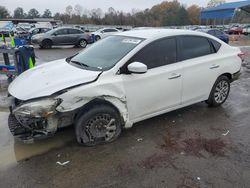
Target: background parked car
x: 246, y: 30
x: 104, y: 32
x: 35, y: 31
x: 217, y: 33
x: 21, y: 32
x: 25, y: 26
x: 79, y: 27
x: 235, y: 30
x: 62, y: 36
x: 5, y: 32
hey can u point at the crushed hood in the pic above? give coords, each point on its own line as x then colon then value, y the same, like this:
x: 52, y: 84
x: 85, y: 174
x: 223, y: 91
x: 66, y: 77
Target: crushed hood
x: 49, y: 78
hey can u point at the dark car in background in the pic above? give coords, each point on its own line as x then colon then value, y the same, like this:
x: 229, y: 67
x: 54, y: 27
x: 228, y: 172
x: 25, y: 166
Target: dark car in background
x: 62, y: 36
x: 217, y: 33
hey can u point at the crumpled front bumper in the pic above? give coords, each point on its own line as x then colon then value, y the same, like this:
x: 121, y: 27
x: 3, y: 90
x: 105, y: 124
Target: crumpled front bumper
x: 30, y: 129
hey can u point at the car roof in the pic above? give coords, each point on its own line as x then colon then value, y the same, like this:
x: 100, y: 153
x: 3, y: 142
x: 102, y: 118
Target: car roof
x: 40, y: 28
x: 160, y: 33
x: 107, y: 28
x: 206, y: 30
x: 68, y: 28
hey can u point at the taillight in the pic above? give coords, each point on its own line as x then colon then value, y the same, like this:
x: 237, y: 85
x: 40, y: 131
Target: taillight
x: 241, y: 56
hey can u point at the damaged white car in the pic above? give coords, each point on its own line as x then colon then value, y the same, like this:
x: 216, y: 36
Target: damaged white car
x: 121, y: 80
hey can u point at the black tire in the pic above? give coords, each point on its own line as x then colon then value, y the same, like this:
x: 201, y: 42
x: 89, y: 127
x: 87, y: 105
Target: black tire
x: 220, y: 92
x: 97, y: 37
x: 47, y: 44
x: 91, y: 126
x: 83, y: 43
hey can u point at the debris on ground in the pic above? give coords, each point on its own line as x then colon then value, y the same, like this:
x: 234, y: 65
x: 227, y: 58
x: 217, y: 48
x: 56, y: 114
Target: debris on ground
x: 62, y: 164
x: 139, y: 139
x: 225, y: 134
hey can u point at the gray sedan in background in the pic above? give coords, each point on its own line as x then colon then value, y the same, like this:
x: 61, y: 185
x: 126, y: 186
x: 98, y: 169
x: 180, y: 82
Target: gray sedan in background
x: 62, y: 36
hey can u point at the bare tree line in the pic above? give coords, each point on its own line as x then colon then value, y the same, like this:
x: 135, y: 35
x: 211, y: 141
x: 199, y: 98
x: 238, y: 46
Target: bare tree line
x: 166, y: 13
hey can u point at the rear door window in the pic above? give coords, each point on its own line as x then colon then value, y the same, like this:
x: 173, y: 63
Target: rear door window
x: 216, y: 45
x: 109, y: 30
x: 75, y: 31
x: 194, y: 46
x: 62, y: 32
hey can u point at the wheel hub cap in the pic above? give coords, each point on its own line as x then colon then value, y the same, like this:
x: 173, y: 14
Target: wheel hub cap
x: 101, y: 127
x: 221, y: 91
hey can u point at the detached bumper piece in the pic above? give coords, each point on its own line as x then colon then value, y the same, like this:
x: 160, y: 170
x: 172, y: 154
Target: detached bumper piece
x: 29, y: 129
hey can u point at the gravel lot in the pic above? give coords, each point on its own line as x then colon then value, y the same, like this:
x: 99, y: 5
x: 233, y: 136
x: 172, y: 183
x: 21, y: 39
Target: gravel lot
x: 193, y: 147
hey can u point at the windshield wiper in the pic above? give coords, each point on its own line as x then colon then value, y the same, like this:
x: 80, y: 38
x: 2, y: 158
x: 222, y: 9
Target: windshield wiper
x: 79, y: 63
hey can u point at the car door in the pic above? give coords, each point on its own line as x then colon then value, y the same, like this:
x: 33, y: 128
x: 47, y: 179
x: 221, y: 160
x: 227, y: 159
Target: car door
x: 157, y: 90
x: 74, y: 35
x: 200, y: 67
x: 60, y: 37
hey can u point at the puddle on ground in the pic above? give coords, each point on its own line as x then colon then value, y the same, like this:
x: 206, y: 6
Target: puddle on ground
x: 13, y: 151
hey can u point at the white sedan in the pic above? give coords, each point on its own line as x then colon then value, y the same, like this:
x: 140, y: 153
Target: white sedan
x: 105, y: 32
x: 134, y: 76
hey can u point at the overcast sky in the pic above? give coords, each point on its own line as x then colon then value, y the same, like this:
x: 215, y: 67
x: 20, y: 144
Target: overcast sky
x: 59, y: 5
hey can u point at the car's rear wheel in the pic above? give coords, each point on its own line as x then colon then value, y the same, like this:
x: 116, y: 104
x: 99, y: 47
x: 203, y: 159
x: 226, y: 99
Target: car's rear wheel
x: 47, y: 44
x: 99, y: 125
x: 220, y: 92
x: 83, y: 43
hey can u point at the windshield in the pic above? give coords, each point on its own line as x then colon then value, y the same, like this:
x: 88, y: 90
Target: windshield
x: 106, y: 53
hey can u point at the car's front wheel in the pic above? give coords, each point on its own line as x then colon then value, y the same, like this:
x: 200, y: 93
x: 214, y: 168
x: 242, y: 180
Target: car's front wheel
x: 99, y: 125
x: 47, y: 44
x: 220, y: 92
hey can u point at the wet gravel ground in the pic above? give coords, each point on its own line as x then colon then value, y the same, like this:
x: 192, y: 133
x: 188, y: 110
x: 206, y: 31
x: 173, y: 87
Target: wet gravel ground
x: 196, y: 147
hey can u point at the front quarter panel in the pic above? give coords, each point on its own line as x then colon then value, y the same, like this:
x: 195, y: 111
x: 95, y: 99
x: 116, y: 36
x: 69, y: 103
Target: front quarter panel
x: 104, y: 88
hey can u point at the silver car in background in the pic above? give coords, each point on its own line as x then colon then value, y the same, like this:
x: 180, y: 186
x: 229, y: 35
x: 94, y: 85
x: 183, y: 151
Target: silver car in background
x: 62, y: 36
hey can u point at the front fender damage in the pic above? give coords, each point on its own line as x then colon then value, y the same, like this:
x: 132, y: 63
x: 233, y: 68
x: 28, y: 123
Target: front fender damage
x: 78, y: 102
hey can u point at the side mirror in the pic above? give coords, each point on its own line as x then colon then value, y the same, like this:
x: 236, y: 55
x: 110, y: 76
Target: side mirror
x: 55, y: 34
x: 137, y: 68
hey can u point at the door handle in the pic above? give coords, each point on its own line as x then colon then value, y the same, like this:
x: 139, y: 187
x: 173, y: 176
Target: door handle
x: 214, y: 66
x: 174, y: 76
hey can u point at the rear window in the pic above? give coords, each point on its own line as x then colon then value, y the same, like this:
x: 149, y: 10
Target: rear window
x: 194, y: 46
x: 216, y: 45
x: 217, y: 32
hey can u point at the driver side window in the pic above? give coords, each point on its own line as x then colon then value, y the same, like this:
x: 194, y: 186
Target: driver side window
x: 159, y: 53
